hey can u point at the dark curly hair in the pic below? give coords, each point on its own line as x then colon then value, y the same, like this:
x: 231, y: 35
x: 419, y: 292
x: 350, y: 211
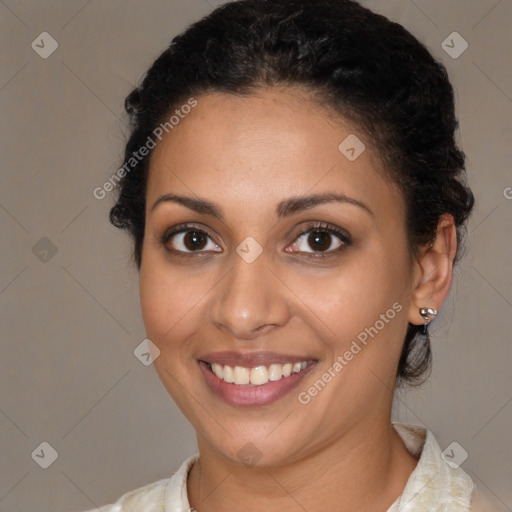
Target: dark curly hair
x: 360, y: 65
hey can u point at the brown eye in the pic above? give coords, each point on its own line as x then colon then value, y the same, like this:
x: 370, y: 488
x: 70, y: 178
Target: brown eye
x: 194, y: 240
x: 321, y: 240
x: 189, y: 241
x: 318, y: 240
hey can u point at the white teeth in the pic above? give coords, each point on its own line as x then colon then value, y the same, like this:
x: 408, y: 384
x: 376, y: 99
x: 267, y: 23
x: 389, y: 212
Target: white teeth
x: 296, y: 368
x: 275, y: 372
x: 241, y: 375
x: 217, y: 369
x: 228, y: 374
x: 258, y: 375
x: 287, y: 369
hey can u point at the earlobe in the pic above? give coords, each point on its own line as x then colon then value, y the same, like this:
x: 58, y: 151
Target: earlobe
x: 434, y: 271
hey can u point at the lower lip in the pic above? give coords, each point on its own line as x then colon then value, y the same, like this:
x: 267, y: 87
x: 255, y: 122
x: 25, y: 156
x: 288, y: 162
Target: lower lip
x: 249, y: 395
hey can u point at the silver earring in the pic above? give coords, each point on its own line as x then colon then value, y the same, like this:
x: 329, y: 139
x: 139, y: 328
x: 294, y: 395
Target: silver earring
x: 428, y: 315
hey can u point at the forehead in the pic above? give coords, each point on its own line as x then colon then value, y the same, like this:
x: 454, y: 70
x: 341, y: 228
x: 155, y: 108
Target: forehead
x: 251, y: 151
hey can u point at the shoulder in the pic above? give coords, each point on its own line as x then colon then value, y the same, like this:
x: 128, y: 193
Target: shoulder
x: 148, y: 498
x: 158, y: 496
x: 438, y: 481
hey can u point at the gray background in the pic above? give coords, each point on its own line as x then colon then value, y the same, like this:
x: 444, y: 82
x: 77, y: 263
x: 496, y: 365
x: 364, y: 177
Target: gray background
x: 71, y: 320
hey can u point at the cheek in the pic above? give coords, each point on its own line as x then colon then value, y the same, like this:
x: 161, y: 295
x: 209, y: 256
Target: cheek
x: 352, y: 298
x: 360, y: 315
x: 170, y: 302
x: 362, y: 306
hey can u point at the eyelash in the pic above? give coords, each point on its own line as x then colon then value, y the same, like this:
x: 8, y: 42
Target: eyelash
x: 343, y: 236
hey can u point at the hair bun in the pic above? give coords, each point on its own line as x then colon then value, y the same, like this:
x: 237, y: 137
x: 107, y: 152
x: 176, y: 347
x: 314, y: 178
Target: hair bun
x: 132, y: 102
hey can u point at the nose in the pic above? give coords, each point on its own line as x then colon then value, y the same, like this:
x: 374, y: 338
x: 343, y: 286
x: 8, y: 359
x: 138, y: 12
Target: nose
x: 250, y: 301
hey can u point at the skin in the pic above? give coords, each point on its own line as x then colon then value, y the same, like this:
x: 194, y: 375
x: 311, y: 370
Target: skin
x: 246, y: 154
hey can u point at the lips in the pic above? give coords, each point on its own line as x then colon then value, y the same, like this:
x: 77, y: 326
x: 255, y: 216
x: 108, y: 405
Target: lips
x: 252, y: 379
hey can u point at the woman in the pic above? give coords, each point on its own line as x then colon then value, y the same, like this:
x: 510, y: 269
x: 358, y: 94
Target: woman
x: 297, y: 202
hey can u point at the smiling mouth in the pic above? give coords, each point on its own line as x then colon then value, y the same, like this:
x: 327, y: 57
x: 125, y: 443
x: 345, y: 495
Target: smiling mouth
x: 257, y: 375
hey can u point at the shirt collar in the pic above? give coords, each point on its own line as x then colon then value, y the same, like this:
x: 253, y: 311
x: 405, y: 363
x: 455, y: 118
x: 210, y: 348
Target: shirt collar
x: 435, y: 483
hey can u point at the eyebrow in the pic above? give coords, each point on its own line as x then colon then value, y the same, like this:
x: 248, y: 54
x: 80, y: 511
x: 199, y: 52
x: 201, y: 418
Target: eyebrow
x: 283, y: 209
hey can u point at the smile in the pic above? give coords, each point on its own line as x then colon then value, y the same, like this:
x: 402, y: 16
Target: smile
x: 258, y: 375
x: 253, y: 379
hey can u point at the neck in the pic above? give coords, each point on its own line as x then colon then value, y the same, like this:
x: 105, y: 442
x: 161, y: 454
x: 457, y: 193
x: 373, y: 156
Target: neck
x: 364, y: 469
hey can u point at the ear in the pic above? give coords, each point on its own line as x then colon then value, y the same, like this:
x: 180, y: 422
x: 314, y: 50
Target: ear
x: 433, y: 270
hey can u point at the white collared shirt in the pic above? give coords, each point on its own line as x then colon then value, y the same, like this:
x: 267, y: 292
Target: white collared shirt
x: 435, y: 485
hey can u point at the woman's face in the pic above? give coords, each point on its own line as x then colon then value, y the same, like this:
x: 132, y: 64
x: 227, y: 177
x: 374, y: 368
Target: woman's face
x: 252, y: 281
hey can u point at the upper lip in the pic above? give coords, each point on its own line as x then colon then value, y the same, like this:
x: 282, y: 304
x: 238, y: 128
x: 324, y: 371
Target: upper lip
x: 251, y: 359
